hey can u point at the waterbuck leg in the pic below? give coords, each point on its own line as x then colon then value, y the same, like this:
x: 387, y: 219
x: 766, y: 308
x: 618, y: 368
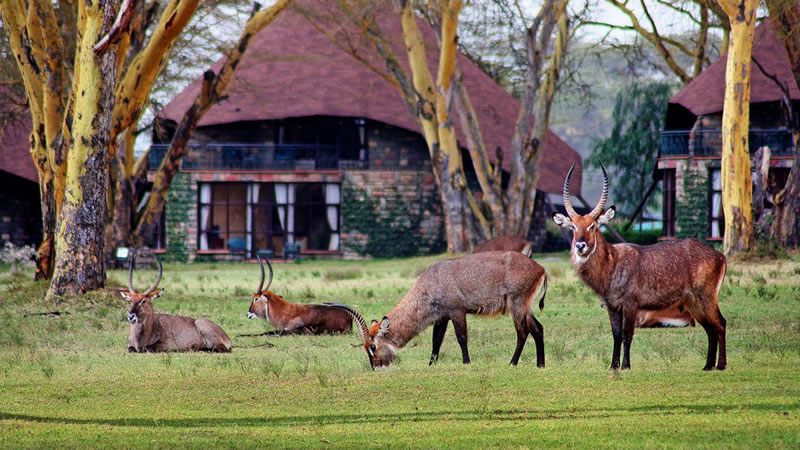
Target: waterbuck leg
x: 460, y: 326
x: 536, y: 329
x: 721, y: 330
x: 522, y: 336
x: 628, y: 324
x: 439, y: 329
x: 616, y: 331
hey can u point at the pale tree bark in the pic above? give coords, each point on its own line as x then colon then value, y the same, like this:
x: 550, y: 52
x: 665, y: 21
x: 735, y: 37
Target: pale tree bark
x: 79, y: 265
x: 786, y: 18
x: 213, y: 88
x: 737, y: 185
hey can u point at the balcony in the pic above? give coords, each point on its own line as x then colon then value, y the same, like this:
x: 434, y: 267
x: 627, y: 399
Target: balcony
x: 289, y: 157
x: 709, y: 142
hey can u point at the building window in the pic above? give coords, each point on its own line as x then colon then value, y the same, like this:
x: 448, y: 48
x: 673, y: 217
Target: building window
x: 669, y: 202
x: 265, y: 216
x: 716, y: 215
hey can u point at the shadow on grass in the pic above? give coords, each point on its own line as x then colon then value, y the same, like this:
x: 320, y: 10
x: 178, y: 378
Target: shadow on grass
x: 419, y: 416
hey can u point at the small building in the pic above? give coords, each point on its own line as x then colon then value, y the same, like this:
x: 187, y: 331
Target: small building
x: 690, y: 155
x: 20, y: 210
x: 308, y: 136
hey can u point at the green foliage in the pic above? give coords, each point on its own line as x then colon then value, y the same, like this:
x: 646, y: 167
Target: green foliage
x: 392, y: 229
x: 692, y: 219
x: 180, y: 199
x: 632, y: 149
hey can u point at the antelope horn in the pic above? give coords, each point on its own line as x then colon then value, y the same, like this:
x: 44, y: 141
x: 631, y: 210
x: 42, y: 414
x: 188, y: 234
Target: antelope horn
x: 567, y: 202
x: 260, y: 283
x: 361, y: 324
x: 603, y: 197
x: 130, y: 273
x: 158, y: 280
x: 269, y: 281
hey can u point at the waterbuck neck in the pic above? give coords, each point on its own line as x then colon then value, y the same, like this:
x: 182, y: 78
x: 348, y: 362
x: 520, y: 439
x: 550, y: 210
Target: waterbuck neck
x: 408, y: 318
x: 597, y: 268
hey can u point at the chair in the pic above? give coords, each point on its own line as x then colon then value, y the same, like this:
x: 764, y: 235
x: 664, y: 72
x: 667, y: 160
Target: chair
x: 291, y: 250
x: 237, y: 245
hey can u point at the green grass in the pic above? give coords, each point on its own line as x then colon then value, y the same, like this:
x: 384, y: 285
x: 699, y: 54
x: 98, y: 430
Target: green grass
x: 69, y: 381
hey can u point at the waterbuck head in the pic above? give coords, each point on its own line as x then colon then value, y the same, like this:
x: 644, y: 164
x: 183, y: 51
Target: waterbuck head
x: 585, y: 229
x: 380, y: 350
x: 141, y: 306
x: 260, y: 305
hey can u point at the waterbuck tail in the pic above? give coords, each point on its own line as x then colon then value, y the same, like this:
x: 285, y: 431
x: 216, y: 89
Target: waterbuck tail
x: 544, y: 294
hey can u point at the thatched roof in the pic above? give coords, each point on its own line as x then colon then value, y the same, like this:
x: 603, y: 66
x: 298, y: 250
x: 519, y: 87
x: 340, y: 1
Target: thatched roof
x: 706, y: 93
x: 291, y: 69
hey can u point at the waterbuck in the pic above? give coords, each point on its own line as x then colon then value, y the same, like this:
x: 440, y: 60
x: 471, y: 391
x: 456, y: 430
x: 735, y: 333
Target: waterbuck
x: 152, y: 332
x: 290, y: 318
x: 674, y: 316
x: 629, y: 278
x: 506, y: 243
x: 484, y: 284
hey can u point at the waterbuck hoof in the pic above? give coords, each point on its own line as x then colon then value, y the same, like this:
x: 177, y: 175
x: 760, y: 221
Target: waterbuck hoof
x: 722, y: 367
x: 541, y: 364
x: 711, y: 368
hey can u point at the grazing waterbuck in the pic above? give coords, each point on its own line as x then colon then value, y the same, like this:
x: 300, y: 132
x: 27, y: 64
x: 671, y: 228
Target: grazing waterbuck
x: 484, y: 284
x: 290, y: 318
x: 630, y: 278
x: 152, y: 332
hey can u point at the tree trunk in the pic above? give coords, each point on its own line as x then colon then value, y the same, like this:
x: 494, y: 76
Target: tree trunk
x: 737, y: 186
x: 79, y: 264
x: 786, y: 228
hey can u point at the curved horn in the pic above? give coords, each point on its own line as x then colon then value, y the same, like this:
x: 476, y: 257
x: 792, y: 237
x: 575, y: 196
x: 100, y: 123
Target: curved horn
x: 567, y: 202
x: 603, y: 197
x: 260, y: 283
x: 269, y: 281
x: 158, y: 280
x: 361, y: 324
x: 130, y: 272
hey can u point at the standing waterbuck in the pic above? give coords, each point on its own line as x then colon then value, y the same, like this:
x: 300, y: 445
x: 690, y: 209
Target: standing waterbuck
x: 152, y: 332
x: 290, y: 318
x: 484, y: 284
x: 629, y: 278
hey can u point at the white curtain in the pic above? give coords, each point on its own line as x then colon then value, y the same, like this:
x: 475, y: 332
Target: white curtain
x: 332, y: 198
x: 716, y: 212
x: 205, y: 212
x: 290, y: 219
x: 280, y: 198
x: 249, y: 225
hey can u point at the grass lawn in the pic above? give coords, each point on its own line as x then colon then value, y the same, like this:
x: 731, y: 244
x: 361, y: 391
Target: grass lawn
x: 69, y: 381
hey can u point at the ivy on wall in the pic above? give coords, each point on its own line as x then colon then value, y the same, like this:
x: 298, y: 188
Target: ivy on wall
x: 692, y: 219
x: 180, y: 199
x: 391, y: 225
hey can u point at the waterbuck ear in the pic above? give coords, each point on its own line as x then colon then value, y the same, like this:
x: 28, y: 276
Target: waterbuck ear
x: 158, y: 293
x: 384, y: 326
x: 561, y: 220
x: 124, y: 294
x: 607, y: 215
x: 373, y: 322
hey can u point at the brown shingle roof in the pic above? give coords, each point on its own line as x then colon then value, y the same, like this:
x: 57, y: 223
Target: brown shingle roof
x: 15, y: 143
x: 291, y: 70
x: 706, y: 93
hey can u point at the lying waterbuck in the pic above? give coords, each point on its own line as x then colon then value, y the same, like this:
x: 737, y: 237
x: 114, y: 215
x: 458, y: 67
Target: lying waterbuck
x: 674, y: 316
x: 506, y: 243
x: 484, y: 284
x: 152, y: 332
x: 290, y: 318
x: 629, y: 278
